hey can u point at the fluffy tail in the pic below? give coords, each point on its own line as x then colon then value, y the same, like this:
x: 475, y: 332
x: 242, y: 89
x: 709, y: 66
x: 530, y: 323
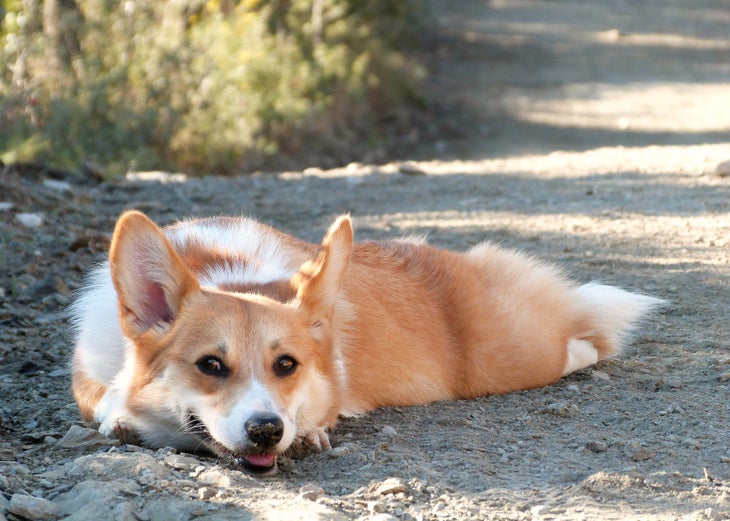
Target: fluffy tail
x: 612, y: 314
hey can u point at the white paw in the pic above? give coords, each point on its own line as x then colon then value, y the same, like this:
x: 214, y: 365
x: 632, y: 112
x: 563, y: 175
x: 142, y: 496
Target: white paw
x: 320, y: 439
x: 114, y: 418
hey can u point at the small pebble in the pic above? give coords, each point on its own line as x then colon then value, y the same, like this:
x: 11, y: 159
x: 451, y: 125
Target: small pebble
x: 539, y: 510
x: 723, y: 169
x: 59, y: 186
x: 377, y: 507
x: 636, y: 452
x: 596, y: 446
x: 563, y: 409
x: 30, y: 220
x: 338, y: 452
x: 311, y: 492
x: 5, y: 206
x: 387, y: 430
x: 206, y: 492
x: 389, y: 486
x: 600, y: 375
x: 410, y: 168
x: 692, y: 443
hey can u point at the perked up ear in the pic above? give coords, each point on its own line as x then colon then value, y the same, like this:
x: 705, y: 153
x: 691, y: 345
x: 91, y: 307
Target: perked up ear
x: 149, y: 276
x: 318, y: 281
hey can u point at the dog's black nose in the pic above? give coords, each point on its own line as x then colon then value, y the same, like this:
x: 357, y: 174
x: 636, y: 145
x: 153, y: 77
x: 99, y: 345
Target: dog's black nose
x: 264, y: 431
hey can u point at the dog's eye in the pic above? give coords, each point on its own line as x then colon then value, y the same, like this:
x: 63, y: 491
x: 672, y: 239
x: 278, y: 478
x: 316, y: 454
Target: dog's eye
x: 213, y: 366
x: 285, y: 365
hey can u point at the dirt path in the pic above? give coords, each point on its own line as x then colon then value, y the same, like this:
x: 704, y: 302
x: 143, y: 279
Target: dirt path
x: 591, y: 137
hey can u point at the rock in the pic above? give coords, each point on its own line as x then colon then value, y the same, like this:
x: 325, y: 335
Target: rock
x: 388, y: 486
x: 58, y: 186
x: 596, y: 446
x: 215, y: 477
x: 564, y: 409
x: 168, y: 508
x: 180, y: 462
x: 12, y: 470
x: 387, y: 430
x: 311, y: 492
x: 7, y: 452
x: 4, y: 504
x: 410, y: 168
x: 539, y: 510
x: 82, y: 437
x: 61, y: 371
x: 116, y: 465
x: 5, y: 206
x: 692, y: 443
x: 637, y: 452
x: 723, y: 169
x: 600, y: 375
x: 92, y: 500
x: 31, y: 507
x: 124, y: 511
x: 30, y: 220
x: 377, y: 507
x: 342, y: 450
x: 206, y: 493
x: 157, y: 177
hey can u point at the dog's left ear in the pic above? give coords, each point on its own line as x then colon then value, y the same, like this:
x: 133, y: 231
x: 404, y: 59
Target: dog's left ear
x: 318, y: 281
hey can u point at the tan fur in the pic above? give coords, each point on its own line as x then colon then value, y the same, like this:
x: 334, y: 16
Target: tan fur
x: 87, y: 393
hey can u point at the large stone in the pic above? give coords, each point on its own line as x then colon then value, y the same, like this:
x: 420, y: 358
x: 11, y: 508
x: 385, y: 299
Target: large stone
x: 81, y: 437
x: 119, y: 465
x: 93, y: 500
x: 31, y: 507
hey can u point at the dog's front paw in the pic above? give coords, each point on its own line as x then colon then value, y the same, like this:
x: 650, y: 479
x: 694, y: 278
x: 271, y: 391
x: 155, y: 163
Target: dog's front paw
x: 319, y: 439
x: 120, y: 429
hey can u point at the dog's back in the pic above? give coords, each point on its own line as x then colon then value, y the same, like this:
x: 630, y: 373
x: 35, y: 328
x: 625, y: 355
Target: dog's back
x: 422, y: 324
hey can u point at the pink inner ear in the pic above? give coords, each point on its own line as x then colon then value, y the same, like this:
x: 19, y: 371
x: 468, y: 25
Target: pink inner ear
x: 155, y: 308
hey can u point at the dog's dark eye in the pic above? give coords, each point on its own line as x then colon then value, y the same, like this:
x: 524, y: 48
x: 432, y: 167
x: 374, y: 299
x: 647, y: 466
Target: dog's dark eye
x: 285, y: 365
x: 213, y: 366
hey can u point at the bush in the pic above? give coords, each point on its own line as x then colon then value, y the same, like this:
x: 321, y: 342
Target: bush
x: 203, y: 86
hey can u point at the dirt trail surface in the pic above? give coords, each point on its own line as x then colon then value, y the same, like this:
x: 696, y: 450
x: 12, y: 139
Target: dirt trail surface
x: 590, y: 133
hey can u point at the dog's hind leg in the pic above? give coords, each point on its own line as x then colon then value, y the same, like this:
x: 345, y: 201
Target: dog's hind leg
x: 581, y: 354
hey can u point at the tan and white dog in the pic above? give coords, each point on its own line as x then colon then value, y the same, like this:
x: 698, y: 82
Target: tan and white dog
x: 227, y: 334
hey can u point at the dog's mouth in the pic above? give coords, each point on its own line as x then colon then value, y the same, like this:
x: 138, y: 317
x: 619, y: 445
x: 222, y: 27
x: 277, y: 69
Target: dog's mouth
x: 253, y: 460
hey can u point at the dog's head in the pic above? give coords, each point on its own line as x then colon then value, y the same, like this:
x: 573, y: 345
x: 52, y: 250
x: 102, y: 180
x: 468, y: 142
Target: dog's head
x: 245, y: 374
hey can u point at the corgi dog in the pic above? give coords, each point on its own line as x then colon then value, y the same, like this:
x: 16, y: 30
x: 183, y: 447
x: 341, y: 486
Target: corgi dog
x: 228, y: 335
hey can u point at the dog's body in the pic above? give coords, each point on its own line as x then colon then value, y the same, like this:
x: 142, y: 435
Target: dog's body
x: 227, y: 333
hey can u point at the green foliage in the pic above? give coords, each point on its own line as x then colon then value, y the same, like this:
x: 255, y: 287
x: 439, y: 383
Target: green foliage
x: 202, y: 85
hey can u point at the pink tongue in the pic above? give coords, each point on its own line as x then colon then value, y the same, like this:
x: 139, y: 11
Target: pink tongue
x: 261, y: 460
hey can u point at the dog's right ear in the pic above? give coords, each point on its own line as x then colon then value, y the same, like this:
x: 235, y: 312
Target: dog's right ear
x: 150, y: 277
x: 318, y: 281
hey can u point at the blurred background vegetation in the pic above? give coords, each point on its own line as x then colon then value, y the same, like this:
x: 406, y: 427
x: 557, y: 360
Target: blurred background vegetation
x: 205, y: 86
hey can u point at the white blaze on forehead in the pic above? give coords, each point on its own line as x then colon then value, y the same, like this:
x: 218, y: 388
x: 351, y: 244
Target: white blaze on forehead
x: 229, y: 427
x: 267, y: 259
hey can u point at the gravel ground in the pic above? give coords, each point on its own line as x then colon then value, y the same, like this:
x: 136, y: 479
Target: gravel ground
x: 593, y: 134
